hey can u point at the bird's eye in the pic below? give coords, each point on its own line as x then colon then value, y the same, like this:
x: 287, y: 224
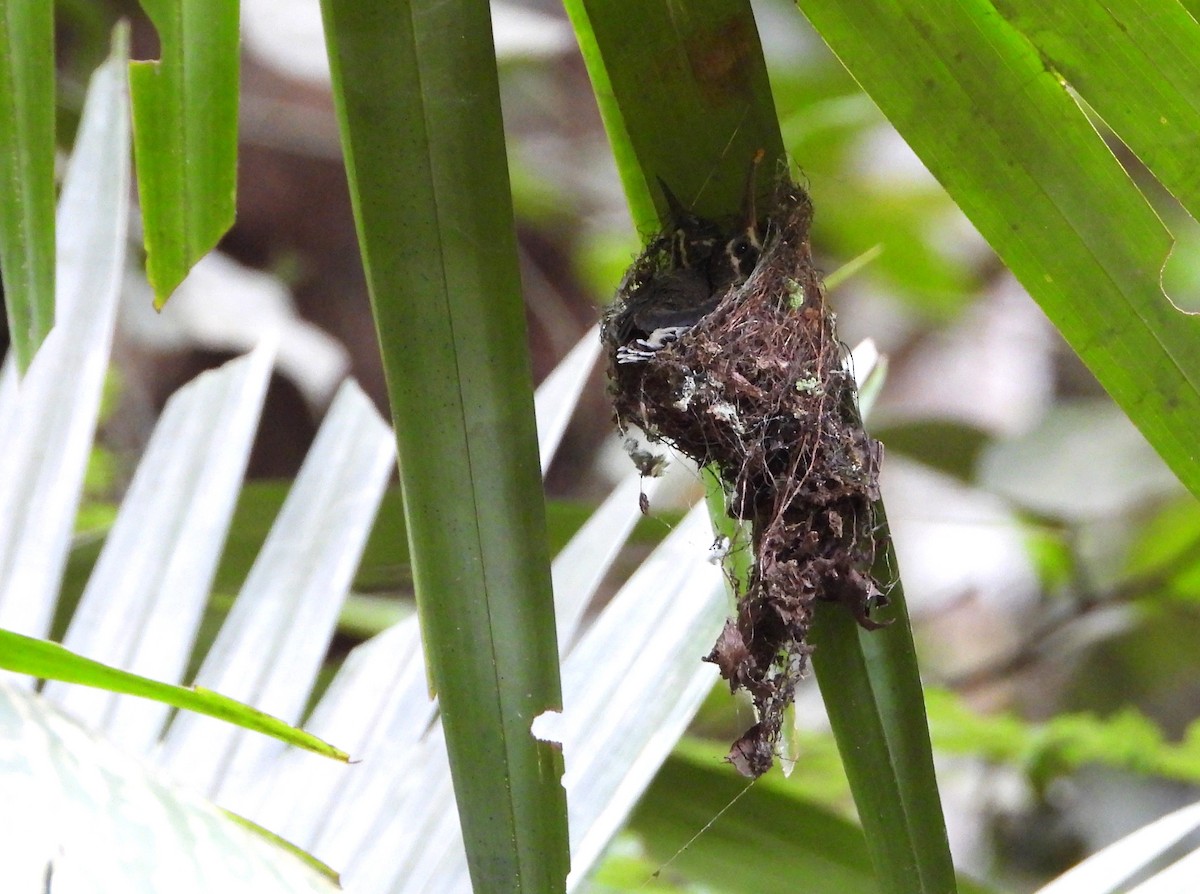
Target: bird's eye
x: 743, y: 247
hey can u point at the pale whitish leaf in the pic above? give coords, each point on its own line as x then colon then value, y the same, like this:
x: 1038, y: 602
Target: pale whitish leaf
x: 48, y: 428
x: 415, y: 845
x: 630, y: 687
x: 8, y: 392
x: 379, y: 703
x: 1106, y: 870
x: 581, y: 565
x: 225, y: 308
x: 1181, y: 877
x: 390, y: 819
x: 559, y: 392
x: 870, y: 371
x: 377, y: 707
x: 635, y: 681
x: 273, y: 642
x: 79, y: 816
x: 144, y: 600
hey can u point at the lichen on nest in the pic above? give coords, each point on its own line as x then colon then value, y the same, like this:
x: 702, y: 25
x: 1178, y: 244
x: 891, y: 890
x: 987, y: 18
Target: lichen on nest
x: 761, y: 389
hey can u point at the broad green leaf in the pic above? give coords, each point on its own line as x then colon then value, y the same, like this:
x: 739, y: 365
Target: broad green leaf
x: 948, y: 446
x: 416, y: 92
x: 185, y: 135
x: 1138, y: 66
x: 978, y: 104
x: 50, y: 661
x: 27, y: 172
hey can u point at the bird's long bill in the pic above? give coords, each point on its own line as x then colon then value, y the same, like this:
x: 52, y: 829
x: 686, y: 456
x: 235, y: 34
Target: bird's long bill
x: 679, y: 214
x: 749, y: 209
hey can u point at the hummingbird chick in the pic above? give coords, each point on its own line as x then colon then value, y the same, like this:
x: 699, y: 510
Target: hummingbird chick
x: 702, y: 262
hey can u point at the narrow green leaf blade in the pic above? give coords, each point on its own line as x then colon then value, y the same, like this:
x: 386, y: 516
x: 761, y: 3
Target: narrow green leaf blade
x: 979, y: 106
x: 50, y: 661
x: 690, y: 103
x: 185, y: 135
x: 418, y: 102
x: 27, y: 172
x: 872, y: 691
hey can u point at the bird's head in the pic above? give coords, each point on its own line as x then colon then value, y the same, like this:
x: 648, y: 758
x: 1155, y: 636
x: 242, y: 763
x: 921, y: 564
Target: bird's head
x: 693, y: 239
x: 734, y: 261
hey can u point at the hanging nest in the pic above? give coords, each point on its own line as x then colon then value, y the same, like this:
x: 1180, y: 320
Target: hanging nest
x: 761, y: 389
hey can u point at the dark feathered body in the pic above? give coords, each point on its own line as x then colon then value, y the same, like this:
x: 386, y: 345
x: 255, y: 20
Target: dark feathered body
x: 680, y: 278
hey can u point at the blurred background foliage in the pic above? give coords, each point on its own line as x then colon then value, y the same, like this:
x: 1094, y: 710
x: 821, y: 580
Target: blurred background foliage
x: 1051, y: 562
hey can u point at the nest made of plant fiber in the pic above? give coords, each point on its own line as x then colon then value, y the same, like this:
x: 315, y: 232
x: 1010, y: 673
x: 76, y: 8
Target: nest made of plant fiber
x: 762, y: 390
